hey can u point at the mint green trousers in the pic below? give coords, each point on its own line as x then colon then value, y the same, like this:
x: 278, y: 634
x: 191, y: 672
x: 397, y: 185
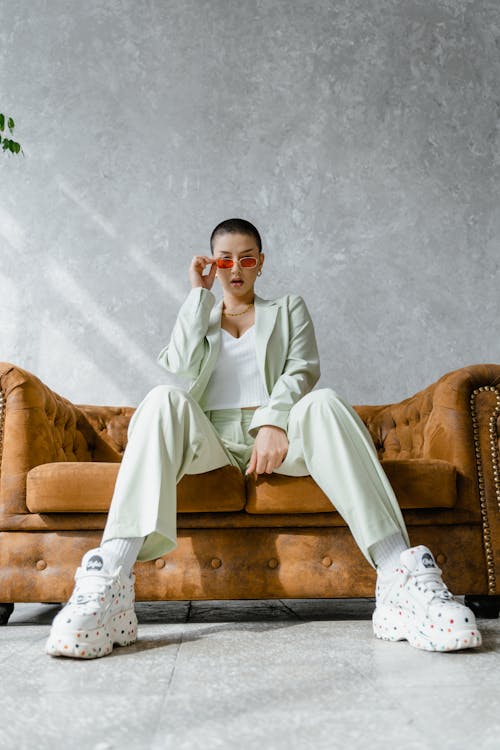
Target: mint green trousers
x: 169, y: 436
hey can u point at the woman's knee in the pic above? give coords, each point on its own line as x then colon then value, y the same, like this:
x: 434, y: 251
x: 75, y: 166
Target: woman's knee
x: 166, y: 391
x: 165, y: 396
x: 320, y: 396
x: 160, y: 399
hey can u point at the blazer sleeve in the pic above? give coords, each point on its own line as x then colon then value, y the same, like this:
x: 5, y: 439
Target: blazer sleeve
x: 300, y: 372
x: 185, y: 352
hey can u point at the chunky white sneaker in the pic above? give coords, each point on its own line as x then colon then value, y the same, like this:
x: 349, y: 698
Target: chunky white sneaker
x: 99, y: 613
x: 415, y: 604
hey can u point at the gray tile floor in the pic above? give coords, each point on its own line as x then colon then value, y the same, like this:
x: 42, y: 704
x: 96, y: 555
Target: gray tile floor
x: 294, y: 674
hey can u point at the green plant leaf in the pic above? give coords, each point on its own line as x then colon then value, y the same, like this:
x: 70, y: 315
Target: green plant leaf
x: 8, y: 144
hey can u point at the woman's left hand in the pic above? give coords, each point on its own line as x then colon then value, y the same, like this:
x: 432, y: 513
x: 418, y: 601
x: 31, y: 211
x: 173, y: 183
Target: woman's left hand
x: 269, y: 450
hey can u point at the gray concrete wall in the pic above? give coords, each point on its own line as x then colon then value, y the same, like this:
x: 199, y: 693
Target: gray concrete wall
x: 362, y: 137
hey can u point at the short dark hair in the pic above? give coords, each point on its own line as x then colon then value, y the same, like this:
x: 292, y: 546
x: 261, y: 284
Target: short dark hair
x: 236, y: 226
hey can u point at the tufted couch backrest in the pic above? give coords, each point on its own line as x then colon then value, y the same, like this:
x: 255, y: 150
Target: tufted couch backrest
x: 110, y: 423
x: 400, y: 430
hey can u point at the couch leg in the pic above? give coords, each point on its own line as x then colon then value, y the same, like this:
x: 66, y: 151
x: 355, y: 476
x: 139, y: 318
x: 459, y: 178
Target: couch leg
x: 483, y: 606
x: 5, y: 612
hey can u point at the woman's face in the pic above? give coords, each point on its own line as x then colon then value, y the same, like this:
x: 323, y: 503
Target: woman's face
x: 237, y: 280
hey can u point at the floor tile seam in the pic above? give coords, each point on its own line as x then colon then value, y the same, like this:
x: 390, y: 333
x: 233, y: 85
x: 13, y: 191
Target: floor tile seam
x: 351, y: 659
x: 167, y: 695
x: 394, y: 701
x: 7, y: 657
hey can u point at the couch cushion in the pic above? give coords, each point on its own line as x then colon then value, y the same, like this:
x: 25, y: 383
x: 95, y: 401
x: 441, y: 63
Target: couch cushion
x: 86, y: 486
x: 417, y: 483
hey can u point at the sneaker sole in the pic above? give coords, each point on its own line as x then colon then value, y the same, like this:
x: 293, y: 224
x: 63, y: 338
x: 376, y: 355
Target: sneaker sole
x: 388, y: 625
x: 91, y: 644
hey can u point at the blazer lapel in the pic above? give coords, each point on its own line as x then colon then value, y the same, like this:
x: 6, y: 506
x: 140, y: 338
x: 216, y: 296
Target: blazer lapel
x: 213, y: 332
x: 266, y: 312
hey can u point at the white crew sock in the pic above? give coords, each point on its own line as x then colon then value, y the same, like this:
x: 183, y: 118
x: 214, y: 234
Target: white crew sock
x: 386, y: 553
x: 124, y: 550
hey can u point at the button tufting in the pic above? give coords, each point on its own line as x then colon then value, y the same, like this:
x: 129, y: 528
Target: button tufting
x: 41, y: 565
x: 160, y: 563
x: 216, y: 563
x: 326, y: 561
x: 273, y: 563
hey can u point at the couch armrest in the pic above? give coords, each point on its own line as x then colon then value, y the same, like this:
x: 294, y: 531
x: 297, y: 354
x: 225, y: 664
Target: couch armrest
x: 38, y: 426
x: 436, y: 422
x: 456, y: 419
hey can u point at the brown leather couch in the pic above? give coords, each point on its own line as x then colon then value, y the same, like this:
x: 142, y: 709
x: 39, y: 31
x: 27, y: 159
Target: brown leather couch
x: 271, y: 536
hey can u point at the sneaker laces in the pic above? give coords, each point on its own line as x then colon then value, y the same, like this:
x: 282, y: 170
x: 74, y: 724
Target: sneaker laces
x: 433, y: 583
x: 89, y: 589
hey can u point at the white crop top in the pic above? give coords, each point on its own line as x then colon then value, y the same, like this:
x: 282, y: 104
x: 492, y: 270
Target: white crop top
x: 235, y: 381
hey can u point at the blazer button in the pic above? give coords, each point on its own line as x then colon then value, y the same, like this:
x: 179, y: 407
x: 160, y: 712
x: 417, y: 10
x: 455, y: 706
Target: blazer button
x: 326, y: 561
x: 440, y: 559
x: 273, y: 563
x: 41, y: 565
x: 216, y: 563
x: 160, y: 563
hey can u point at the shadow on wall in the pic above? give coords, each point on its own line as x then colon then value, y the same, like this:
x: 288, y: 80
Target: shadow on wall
x: 100, y: 330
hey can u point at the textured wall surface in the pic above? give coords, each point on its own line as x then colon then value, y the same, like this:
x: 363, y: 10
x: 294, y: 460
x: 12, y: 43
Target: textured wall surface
x: 362, y: 137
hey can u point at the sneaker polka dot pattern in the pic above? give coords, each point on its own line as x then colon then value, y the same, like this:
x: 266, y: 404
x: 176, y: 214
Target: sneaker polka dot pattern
x: 415, y: 605
x: 99, y: 614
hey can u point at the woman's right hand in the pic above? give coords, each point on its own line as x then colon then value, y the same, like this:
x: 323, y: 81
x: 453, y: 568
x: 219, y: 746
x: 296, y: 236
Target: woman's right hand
x: 198, y: 265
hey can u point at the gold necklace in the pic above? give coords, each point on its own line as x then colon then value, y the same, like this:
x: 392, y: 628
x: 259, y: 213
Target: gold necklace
x: 240, y: 313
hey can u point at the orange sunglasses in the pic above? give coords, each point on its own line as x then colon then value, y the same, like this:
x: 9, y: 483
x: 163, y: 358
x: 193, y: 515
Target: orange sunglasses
x: 226, y: 263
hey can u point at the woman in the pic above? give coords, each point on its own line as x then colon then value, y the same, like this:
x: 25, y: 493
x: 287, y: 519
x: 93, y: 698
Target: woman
x: 253, y: 364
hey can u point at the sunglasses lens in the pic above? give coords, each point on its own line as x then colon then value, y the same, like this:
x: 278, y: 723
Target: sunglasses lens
x: 224, y: 263
x: 248, y: 262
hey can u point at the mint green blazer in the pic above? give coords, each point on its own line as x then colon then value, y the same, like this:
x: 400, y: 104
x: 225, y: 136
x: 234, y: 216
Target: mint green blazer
x: 287, y: 353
